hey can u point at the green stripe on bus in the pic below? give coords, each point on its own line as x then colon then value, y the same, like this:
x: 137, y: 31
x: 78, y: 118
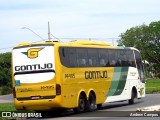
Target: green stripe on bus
x: 115, y: 81
x: 122, y: 81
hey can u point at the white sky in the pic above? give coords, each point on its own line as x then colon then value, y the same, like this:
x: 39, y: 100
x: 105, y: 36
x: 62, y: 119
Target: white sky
x: 72, y: 18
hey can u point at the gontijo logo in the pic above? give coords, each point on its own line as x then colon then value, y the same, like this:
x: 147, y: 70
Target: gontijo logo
x: 32, y: 53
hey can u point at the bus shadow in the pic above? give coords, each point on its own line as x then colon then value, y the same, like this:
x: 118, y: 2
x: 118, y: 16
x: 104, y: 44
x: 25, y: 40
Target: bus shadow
x: 110, y: 106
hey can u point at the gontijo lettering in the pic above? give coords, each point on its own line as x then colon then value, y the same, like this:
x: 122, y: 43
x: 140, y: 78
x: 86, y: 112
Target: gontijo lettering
x: 95, y: 74
x: 24, y: 89
x: 33, y: 67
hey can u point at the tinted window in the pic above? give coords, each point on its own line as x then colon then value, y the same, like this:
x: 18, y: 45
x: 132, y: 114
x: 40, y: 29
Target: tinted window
x: 112, y: 59
x: 125, y: 58
x: 82, y: 60
x: 72, y: 57
x: 103, y: 57
x: 64, y: 56
x: 94, y: 57
x: 139, y: 64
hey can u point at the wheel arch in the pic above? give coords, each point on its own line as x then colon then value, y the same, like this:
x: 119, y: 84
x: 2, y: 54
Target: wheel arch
x: 91, y: 91
x: 134, y: 89
x: 84, y: 95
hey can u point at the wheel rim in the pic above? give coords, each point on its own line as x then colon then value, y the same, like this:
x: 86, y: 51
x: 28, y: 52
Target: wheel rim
x: 92, y: 102
x: 81, y: 104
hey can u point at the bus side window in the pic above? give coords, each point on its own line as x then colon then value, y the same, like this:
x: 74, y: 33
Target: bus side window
x: 103, y: 57
x: 112, y: 55
x: 119, y: 63
x: 102, y: 62
x: 90, y: 63
x: 63, y: 51
x: 81, y: 62
x: 81, y: 57
x: 72, y: 57
x: 120, y: 58
x: 112, y: 63
x: 139, y: 65
x: 130, y: 58
x: 92, y: 55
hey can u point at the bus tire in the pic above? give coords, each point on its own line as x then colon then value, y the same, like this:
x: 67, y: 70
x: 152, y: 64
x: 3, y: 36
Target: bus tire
x: 99, y: 106
x: 81, y: 105
x: 91, y: 103
x: 133, y: 95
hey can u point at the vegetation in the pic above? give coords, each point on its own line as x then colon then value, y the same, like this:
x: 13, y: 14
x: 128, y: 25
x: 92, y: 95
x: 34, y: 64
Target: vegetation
x: 145, y: 38
x: 7, y: 107
x: 153, y: 86
x: 6, y: 90
x: 5, y: 73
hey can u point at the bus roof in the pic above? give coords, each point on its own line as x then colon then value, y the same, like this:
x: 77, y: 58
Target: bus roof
x: 76, y: 42
x: 89, y: 42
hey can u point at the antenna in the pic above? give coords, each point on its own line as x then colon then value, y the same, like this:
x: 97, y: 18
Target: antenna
x: 112, y: 42
x: 49, y: 34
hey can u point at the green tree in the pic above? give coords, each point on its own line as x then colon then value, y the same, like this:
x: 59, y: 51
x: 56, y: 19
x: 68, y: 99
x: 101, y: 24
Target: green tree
x: 5, y: 69
x: 145, y: 38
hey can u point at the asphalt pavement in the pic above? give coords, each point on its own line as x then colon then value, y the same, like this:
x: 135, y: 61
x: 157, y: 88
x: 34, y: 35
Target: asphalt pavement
x: 6, y: 98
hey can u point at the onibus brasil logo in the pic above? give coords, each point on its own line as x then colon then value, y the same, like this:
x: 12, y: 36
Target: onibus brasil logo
x: 32, y: 53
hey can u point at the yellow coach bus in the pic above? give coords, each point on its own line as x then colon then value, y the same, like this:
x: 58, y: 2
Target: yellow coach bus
x: 78, y: 74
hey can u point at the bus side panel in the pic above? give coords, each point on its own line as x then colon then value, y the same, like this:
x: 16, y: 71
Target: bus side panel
x: 76, y: 80
x: 120, y: 85
x: 132, y: 80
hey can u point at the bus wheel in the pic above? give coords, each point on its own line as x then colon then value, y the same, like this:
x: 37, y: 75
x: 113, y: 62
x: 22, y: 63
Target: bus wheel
x: 81, y: 105
x: 91, y: 103
x: 99, y: 106
x: 133, y: 94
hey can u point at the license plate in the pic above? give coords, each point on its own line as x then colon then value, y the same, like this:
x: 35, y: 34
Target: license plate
x: 35, y: 97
